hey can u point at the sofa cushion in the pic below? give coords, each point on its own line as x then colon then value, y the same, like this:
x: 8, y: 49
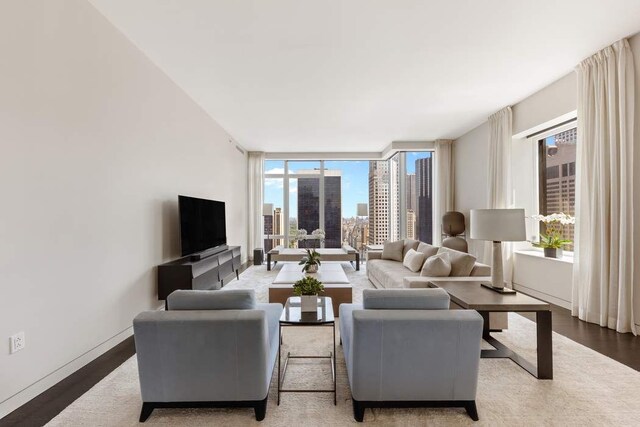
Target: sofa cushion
x: 437, y: 266
x: 387, y: 273
x: 237, y: 299
x: 405, y: 299
x: 409, y: 244
x: 427, y: 249
x: 461, y: 263
x: 393, y: 250
x: 413, y: 260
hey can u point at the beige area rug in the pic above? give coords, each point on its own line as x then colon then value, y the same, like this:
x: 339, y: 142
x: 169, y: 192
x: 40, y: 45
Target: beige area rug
x: 589, y: 389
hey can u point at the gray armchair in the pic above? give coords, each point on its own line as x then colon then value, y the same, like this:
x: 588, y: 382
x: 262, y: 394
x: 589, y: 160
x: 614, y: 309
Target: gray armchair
x: 210, y: 349
x: 405, y: 348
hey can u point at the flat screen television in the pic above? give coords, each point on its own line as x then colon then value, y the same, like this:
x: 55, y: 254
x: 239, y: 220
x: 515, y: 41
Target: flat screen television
x: 202, y: 224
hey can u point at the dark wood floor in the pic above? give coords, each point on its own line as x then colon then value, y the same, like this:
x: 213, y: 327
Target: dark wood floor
x: 625, y: 348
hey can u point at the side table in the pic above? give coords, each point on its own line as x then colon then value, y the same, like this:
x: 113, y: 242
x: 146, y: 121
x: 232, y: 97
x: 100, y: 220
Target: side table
x: 293, y: 316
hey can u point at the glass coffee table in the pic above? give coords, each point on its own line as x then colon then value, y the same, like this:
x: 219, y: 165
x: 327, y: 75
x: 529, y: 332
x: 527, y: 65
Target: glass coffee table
x: 292, y: 315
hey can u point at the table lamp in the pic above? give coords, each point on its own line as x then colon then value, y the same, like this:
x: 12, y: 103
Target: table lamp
x: 498, y: 225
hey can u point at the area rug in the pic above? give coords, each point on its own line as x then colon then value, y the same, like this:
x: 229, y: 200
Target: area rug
x: 588, y: 389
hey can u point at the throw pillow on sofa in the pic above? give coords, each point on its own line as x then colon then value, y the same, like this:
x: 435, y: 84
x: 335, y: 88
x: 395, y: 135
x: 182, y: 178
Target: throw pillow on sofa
x: 461, y: 263
x: 413, y: 260
x: 393, y: 250
x: 437, y: 266
x: 427, y: 249
x: 409, y: 244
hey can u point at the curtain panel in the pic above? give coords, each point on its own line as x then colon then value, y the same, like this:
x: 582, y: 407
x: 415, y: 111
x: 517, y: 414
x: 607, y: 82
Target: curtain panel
x: 444, y: 185
x: 603, y: 270
x: 256, y: 199
x: 499, y: 179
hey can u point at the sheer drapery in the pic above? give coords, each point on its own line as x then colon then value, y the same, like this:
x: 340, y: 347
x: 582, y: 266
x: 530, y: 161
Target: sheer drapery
x: 256, y: 197
x: 499, y: 179
x: 603, y: 270
x: 443, y: 191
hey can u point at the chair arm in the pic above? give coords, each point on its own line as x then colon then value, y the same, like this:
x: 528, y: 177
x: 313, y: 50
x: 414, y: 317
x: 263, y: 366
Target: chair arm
x: 374, y: 255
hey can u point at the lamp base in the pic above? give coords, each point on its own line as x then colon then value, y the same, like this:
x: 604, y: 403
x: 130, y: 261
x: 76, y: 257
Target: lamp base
x: 504, y: 290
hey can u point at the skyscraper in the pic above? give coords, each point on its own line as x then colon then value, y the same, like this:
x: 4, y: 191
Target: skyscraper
x: 268, y: 232
x: 278, y: 225
x: 411, y: 224
x: 411, y: 191
x: 424, y: 190
x: 378, y: 202
x: 309, y: 204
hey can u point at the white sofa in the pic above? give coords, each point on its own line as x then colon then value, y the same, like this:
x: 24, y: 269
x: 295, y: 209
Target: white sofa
x: 389, y: 274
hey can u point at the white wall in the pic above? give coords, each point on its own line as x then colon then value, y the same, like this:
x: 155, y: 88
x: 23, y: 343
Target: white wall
x: 96, y: 144
x: 551, y: 104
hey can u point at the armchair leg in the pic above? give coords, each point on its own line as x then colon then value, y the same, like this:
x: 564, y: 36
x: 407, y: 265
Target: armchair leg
x: 145, y: 413
x: 472, y: 410
x: 358, y: 411
x: 261, y: 409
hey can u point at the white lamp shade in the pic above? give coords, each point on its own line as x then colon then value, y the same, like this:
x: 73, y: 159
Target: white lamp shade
x: 267, y: 209
x: 363, y: 209
x: 498, y: 225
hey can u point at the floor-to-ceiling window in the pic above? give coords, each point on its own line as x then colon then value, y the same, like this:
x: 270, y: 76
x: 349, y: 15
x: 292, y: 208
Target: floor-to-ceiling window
x: 353, y: 202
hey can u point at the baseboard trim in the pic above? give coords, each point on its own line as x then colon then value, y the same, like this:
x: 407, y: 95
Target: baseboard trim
x: 25, y: 395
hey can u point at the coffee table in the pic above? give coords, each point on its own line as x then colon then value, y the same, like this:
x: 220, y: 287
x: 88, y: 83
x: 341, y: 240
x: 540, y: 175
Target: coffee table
x: 292, y: 315
x: 335, y: 281
x: 472, y: 296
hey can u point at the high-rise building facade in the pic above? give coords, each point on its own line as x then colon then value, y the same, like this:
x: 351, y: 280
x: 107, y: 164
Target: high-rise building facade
x: 411, y: 191
x: 561, y: 177
x: 278, y: 225
x: 379, y: 186
x: 268, y: 232
x: 309, y: 205
x: 411, y: 224
x: 424, y: 193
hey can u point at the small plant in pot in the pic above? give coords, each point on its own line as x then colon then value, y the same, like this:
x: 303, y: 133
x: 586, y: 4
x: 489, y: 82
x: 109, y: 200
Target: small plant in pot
x: 308, y: 289
x: 311, y: 261
x: 552, y: 242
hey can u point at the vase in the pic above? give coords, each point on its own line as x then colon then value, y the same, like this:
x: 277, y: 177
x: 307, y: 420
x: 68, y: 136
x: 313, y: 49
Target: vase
x: 309, y: 303
x: 553, y: 253
x: 312, y: 268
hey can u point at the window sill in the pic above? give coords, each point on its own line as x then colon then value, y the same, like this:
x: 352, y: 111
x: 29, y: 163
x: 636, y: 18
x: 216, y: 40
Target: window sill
x: 567, y: 258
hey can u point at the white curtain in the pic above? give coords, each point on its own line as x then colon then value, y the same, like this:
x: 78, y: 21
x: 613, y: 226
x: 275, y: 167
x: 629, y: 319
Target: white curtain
x: 499, y: 179
x: 443, y: 192
x: 256, y: 198
x: 603, y: 270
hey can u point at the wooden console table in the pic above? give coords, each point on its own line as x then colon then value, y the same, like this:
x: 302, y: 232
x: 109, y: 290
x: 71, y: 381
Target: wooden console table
x: 472, y: 296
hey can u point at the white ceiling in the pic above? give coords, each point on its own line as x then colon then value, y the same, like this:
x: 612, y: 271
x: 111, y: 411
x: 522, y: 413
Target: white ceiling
x: 354, y: 75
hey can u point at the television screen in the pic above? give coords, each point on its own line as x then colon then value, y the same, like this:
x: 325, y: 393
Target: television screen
x: 202, y: 224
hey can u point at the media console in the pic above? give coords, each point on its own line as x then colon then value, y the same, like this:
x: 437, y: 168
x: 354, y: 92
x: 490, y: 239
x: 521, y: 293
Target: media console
x: 210, y: 273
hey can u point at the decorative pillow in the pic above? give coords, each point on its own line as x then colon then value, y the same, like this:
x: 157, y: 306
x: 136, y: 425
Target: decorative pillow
x: 393, y: 250
x: 413, y: 260
x: 461, y: 263
x: 235, y: 299
x: 405, y: 299
x: 437, y: 266
x: 427, y: 249
x: 409, y: 244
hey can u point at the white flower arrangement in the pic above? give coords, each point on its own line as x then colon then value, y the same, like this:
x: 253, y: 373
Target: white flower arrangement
x: 318, y: 232
x: 561, y: 218
x: 302, y: 232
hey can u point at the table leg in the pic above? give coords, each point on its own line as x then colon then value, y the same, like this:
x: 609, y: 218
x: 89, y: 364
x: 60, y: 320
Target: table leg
x: 545, y: 346
x: 279, y: 351
x: 268, y: 262
x: 335, y: 373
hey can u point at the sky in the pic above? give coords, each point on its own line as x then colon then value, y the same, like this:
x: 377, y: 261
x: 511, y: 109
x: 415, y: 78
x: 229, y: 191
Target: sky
x: 355, y: 181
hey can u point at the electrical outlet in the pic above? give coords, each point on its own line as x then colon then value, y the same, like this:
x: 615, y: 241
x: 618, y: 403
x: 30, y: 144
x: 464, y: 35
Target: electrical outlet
x: 17, y: 342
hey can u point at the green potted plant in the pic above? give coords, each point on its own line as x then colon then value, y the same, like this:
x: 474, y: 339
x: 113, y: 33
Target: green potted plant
x: 552, y: 242
x: 308, y: 289
x: 311, y: 261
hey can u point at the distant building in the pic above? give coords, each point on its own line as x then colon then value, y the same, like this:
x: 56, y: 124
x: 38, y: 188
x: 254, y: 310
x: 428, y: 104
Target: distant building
x: 278, y: 225
x: 424, y: 192
x: 378, y: 202
x: 411, y: 191
x: 561, y: 177
x: 394, y: 198
x: 309, y: 204
x: 411, y: 224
